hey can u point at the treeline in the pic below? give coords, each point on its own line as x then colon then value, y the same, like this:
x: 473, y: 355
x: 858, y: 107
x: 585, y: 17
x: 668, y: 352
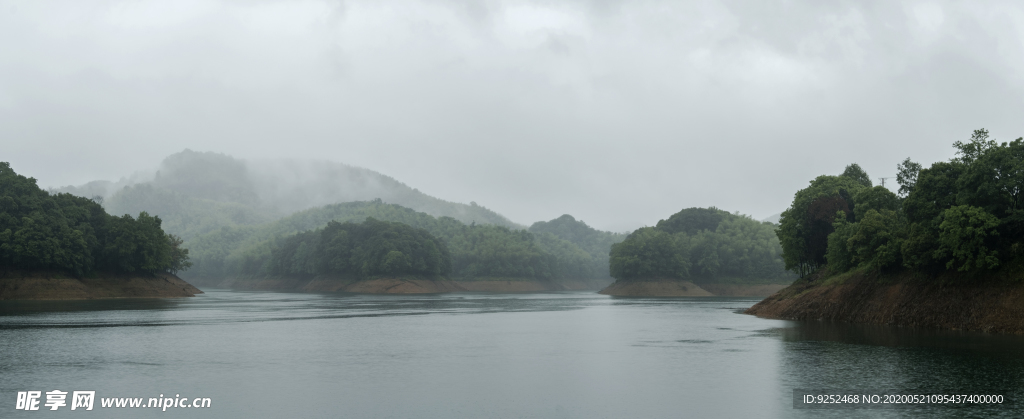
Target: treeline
x: 243, y: 249
x: 361, y: 250
x: 63, y: 232
x: 964, y: 215
x: 702, y: 245
x: 595, y: 243
x: 478, y: 252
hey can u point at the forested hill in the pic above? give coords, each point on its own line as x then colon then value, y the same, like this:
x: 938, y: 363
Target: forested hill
x: 198, y: 192
x: 364, y: 250
x: 73, y: 235
x: 478, y: 251
x: 704, y: 245
x: 595, y: 242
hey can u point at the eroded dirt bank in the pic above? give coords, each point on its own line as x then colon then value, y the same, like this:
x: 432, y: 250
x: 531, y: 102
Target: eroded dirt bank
x: 533, y: 286
x: 736, y: 290
x: 995, y: 305
x: 655, y: 289
x: 675, y: 288
x: 50, y: 286
x: 405, y: 285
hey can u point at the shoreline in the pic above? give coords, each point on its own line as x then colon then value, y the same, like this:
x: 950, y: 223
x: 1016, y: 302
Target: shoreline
x: 400, y: 285
x: 995, y: 305
x: 677, y: 288
x: 55, y: 286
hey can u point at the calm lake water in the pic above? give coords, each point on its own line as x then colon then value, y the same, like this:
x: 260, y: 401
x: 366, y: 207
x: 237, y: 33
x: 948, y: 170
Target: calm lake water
x: 555, y: 355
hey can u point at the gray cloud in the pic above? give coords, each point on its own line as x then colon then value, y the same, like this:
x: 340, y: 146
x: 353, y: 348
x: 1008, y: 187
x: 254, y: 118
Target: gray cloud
x: 619, y: 113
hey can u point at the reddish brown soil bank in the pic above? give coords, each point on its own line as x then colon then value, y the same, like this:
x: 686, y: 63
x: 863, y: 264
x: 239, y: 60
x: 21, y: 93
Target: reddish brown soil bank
x: 407, y: 285
x: 995, y: 305
x: 675, y: 288
x: 655, y: 289
x: 735, y: 290
x: 51, y: 286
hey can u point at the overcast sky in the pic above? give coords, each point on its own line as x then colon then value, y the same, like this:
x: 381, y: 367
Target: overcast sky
x: 619, y: 113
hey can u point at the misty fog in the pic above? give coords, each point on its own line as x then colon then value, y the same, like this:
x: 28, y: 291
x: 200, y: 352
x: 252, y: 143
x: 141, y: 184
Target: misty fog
x: 511, y: 208
x: 615, y: 112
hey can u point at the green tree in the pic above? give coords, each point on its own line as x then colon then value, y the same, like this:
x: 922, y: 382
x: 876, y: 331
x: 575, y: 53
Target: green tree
x: 966, y: 213
x: 853, y: 171
x: 703, y: 245
x: 61, y: 232
x: 877, y: 198
x: 368, y: 249
x: 994, y: 179
x: 935, y: 191
x: 569, y: 236
x: 878, y: 240
x: 179, y: 260
x: 906, y: 176
x: 651, y: 253
x: 839, y: 256
x: 970, y: 151
x: 804, y: 227
x: 692, y: 220
x: 963, y: 234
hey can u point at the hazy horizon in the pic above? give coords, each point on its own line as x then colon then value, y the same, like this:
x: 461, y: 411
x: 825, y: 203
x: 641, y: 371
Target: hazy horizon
x: 618, y: 113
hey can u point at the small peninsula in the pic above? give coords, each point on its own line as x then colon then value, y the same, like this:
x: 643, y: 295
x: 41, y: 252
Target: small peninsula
x: 386, y: 257
x: 699, y: 252
x: 64, y: 247
x: 946, y: 252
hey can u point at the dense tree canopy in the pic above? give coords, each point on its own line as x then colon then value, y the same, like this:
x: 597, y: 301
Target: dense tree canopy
x: 595, y: 243
x: 484, y: 251
x: 853, y: 171
x: 804, y: 227
x: 477, y: 251
x: 692, y: 220
x: 704, y: 245
x: 62, y: 232
x: 371, y: 248
x: 230, y: 212
x: 966, y: 214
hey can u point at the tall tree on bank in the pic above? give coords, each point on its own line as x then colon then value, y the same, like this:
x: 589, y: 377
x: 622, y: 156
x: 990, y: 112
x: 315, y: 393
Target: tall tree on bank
x: 853, y: 171
x: 804, y: 227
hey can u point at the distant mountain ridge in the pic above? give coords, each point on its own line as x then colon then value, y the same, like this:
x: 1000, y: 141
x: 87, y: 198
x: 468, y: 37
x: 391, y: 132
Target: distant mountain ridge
x: 198, y: 192
x: 237, y: 216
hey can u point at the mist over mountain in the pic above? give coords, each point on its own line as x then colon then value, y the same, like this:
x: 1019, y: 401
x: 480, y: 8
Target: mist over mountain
x: 232, y: 214
x: 774, y: 218
x: 595, y: 242
x: 198, y: 192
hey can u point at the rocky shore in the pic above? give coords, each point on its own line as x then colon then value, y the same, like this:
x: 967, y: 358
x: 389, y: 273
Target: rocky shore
x: 55, y: 286
x: 993, y: 305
